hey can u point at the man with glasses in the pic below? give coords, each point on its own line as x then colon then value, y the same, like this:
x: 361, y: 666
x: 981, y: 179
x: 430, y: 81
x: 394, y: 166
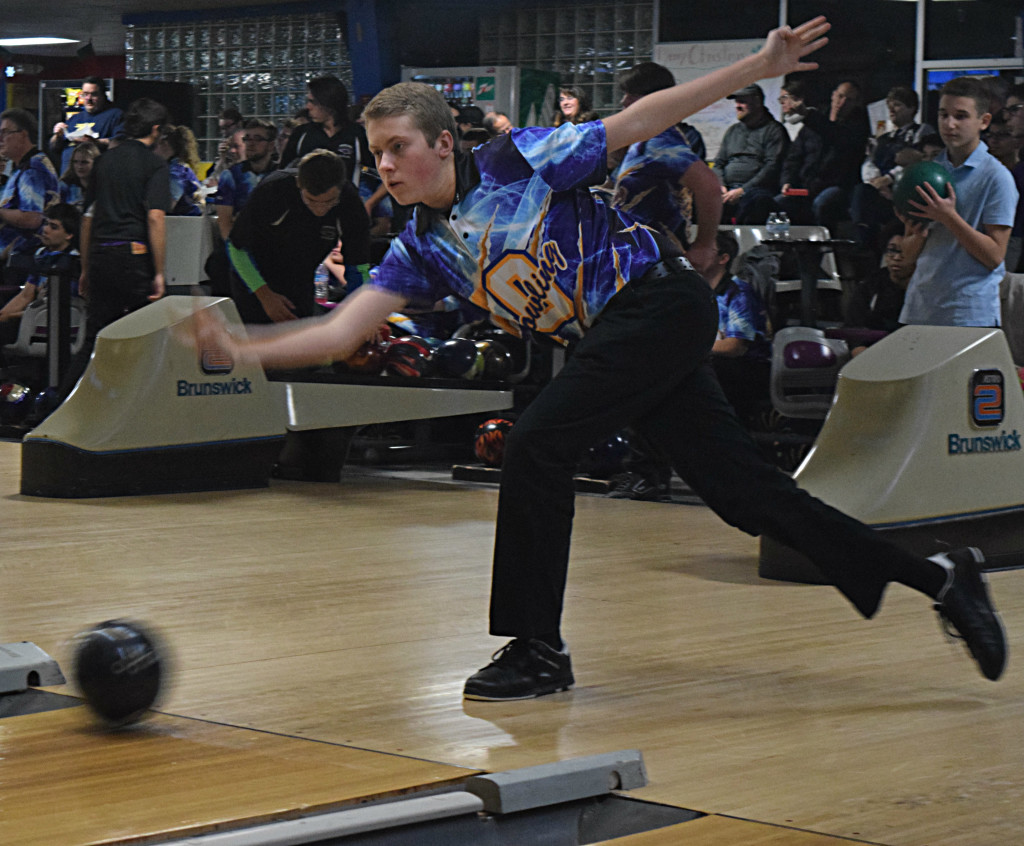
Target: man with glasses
x: 289, y: 226
x: 31, y: 187
x: 239, y: 181
x: 99, y: 121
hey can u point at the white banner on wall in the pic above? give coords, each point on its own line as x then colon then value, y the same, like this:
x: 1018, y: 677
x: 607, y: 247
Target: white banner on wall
x: 691, y: 59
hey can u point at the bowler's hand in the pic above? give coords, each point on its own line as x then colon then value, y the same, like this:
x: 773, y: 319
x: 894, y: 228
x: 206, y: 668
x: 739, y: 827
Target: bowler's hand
x: 785, y: 47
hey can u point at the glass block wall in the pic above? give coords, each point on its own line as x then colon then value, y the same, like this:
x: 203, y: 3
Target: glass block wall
x: 259, y: 65
x: 587, y: 43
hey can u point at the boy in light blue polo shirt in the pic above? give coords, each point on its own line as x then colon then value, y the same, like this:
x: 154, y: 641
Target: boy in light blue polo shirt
x: 960, y: 260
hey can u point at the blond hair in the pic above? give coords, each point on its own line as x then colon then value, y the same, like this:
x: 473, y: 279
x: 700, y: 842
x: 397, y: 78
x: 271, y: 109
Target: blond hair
x: 423, y: 103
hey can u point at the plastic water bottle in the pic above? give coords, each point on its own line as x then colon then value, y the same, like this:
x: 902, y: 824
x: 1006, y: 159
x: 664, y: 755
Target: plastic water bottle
x: 778, y: 225
x: 320, y: 284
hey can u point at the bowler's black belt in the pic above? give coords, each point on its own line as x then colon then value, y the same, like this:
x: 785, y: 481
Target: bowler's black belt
x: 672, y: 266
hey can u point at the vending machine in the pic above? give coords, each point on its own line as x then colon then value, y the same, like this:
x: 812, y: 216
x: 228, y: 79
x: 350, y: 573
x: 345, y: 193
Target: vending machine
x: 527, y: 95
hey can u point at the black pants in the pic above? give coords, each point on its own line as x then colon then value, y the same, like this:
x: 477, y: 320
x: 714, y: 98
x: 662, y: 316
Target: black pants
x: 645, y: 364
x: 119, y: 282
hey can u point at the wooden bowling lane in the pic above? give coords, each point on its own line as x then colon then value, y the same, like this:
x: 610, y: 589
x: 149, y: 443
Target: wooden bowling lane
x: 64, y: 781
x: 352, y: 613
x: 725, y: 831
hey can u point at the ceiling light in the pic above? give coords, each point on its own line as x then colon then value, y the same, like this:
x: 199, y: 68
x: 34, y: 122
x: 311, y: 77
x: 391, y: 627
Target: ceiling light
x: 35, y: 42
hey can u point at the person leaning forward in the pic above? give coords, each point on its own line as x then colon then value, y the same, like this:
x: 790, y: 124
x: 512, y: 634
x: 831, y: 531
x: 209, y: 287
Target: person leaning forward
x: 515, y: 229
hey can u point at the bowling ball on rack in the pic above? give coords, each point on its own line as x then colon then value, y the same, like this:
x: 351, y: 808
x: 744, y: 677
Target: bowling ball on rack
x: 368, y: 359
x: 516, y: 346
x: 15, y: 402
x: 923, y: 173
x: 407, y: 356
x: 497, y: 360
x: 119, y: 668
x: 489, y: 440
x: 458, y: 358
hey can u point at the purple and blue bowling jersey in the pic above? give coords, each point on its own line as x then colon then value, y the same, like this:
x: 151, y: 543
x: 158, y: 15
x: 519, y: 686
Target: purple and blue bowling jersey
x: 526, y: 240
x: 647, y: 184
x: 31, y: 188
x: 741, y: 314
x: 235, y: 184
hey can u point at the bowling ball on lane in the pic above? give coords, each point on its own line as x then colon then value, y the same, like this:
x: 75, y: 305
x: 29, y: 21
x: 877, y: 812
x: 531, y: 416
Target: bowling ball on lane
x: 458, y: 358
x: 922, y: 173
x: 489, y: 440
x: 407, y: 356
x: 119, y: 668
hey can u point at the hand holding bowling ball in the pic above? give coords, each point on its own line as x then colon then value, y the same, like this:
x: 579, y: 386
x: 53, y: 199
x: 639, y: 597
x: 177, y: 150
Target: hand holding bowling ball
x: 119, y: 669
x: 910, y: 202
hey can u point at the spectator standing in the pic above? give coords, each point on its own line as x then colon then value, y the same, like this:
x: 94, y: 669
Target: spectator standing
x: 959, y: 249
x: 123, y: 234
x: 99, y: 121
x: 330, y: 128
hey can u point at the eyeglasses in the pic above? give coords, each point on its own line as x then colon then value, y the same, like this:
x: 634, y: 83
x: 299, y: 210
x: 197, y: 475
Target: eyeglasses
x: 255, y: 138
x: 894, y: 251
x: 784, y: 97
x: 1014, y: 109
x: 998, y: 136
x: 5, y: 132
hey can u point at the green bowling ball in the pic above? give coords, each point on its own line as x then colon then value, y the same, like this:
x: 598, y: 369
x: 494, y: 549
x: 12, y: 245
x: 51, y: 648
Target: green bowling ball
x: 922, y: 173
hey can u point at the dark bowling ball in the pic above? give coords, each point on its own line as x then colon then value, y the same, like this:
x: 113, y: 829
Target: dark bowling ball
x: 15, y: 402
x: 458, y: 358
x: 368, y: 359
x: 118, y: 668
x: 604, y: 460
x: 517, y: 347
x: 489, y: 441
x: 922, y: 173
x: 497, y: 360
x: 408, y: 356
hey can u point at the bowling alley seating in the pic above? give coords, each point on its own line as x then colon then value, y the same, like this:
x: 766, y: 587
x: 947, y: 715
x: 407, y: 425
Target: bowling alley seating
x: 33, y: 331
x: 750, y: 236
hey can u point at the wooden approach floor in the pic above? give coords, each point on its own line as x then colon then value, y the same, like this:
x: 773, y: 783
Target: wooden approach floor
x: 352, y: 613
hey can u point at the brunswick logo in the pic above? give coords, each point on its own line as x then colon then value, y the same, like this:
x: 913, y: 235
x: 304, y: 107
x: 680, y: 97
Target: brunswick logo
x: 987, y: 398
x: 526, y: 286
x: 215, y: 360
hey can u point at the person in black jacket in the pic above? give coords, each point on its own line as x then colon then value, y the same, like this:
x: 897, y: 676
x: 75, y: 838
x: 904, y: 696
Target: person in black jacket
x: 846, y: 137
x: 329, y: 128
x: 806, y: 126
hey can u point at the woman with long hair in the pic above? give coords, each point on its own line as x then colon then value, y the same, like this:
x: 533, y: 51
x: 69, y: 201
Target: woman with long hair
x: 573, y: 107
x: 75, y: 180
x: 330, y: 128
x: 177, y: 145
